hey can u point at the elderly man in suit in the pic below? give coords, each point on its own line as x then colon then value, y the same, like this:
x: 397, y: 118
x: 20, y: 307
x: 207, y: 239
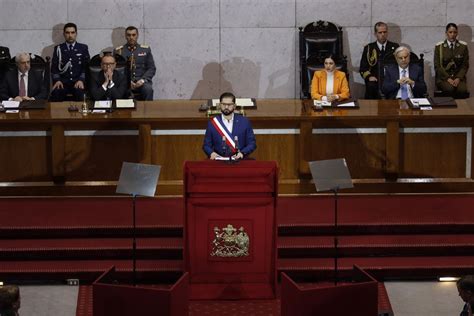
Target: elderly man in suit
x: 404, y: 80
x: 68, y: 66
x: 229, y: 134
x: 22, y: 84
x: 109, y: 84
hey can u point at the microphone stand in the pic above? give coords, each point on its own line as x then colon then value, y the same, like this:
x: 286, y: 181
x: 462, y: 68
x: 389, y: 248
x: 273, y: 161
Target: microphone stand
x: 134, y: 243
x: 336, y: 241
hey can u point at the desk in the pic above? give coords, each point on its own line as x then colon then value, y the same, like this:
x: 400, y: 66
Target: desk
x: 388, y: 148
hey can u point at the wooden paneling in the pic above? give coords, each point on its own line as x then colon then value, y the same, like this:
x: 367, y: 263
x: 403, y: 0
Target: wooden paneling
x: 171, y: 132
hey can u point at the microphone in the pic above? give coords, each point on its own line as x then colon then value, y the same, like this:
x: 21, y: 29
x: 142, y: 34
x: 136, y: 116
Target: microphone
x: 224, y: 147
x: 236, y: 141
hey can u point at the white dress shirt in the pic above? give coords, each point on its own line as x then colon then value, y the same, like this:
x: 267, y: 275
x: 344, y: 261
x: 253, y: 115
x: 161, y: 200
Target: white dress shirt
x: 228, y: 123
x: 329, y: 85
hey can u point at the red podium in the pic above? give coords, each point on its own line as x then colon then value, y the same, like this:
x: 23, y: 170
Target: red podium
x: 230, y: 229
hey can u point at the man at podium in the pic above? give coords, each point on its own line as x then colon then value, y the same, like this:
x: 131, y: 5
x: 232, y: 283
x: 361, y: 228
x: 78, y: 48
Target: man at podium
x: 229, y: 134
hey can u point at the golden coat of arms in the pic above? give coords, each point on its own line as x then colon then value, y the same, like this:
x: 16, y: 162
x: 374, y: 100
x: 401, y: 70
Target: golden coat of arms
x: 230, y: 242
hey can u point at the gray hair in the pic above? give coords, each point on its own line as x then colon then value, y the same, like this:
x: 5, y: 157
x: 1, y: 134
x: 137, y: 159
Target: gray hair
x: 401, y: 48
x: 19, y: 55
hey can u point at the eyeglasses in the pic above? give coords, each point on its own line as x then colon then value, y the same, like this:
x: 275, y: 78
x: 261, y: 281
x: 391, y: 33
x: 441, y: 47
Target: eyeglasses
x: 108, y: 64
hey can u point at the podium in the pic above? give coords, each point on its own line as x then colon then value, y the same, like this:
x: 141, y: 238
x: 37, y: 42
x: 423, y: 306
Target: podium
x: 230, y: 229
x: 357, y: 297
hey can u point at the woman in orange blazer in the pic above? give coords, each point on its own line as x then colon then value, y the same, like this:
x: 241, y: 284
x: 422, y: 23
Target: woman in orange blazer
x: 321, y: 87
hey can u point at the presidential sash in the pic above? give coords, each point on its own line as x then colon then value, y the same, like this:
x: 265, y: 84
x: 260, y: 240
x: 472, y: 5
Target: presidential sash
x: 223, y: 132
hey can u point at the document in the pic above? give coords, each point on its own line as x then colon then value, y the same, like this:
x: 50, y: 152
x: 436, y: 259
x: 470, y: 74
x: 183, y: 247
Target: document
x: 244, y: 102
x: 124, y: 104
x: 11, y: 104
x: 99, y: 111
x: 347, y: 105
x: 103, y: 104
x: 420, y: 101
x: 319, y: 103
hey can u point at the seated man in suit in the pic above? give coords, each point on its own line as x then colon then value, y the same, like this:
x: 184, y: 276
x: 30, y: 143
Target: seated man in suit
x: 21, y: 84
x: 465, y: 287
x: 229, y: 134
x: 404, y: 80
x: 109, y: 84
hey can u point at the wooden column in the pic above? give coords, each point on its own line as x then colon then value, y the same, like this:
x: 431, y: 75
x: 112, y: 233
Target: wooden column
x: 58, y: 153
x: 392, y: 159
x: 305, y: 146
x: 144, y: 143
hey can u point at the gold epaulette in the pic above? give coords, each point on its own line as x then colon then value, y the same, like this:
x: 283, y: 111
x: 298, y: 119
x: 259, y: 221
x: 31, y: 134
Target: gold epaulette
x: 439, y: 43
x: 145, y: 46
x: 119, y: 49
x: 462, y: 42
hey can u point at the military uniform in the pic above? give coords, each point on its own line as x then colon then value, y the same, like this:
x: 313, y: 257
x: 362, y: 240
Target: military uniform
x: 4, y: 61
x: 141, y: 67
x: 69, y: 66
x: 370, y: 64
x: 451, y: 63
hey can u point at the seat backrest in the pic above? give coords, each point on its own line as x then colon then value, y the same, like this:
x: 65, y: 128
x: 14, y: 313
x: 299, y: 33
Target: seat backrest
x: 317, y: 40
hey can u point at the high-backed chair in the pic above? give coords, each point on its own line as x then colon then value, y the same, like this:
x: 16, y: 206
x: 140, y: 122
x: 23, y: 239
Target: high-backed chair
x: 95, y: 68
x: 317, y: 40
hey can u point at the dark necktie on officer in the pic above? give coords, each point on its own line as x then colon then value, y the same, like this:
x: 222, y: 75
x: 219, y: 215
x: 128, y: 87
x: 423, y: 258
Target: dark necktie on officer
x: 70, y: 47
x: 382, y: 51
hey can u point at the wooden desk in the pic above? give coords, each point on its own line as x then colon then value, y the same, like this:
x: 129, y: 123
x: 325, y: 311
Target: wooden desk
x: 388, y: 148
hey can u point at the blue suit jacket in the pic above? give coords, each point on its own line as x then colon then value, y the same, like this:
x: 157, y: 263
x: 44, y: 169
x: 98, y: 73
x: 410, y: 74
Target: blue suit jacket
x: 241, y: 128
x: 390, y: 86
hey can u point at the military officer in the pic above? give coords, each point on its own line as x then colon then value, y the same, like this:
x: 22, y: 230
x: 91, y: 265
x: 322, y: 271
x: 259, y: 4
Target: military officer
x: 141, y: 64
x: 68, y: 66
x: 4, y: 61
x: 451, y: 62
x: 372, y: 60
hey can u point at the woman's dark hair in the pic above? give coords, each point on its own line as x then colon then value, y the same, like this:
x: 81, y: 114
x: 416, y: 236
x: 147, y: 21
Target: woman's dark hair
x: 451, y: 25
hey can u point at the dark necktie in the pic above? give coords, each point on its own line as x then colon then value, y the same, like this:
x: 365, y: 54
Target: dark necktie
x: 22, y: 85
x: 382, y: 51
x: 451, y: 46
x: 70, y: 47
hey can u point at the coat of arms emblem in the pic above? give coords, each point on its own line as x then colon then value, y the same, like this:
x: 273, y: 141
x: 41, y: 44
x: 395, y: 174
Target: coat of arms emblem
x: 230, y: 242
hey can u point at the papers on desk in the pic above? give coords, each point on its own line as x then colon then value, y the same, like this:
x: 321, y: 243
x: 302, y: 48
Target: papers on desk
x: 95, y: 111
x: 124, y: 104
x: 319, y: 103
x: 245, y: 102
x: 222, y: 158
x: 11, y: 104
x: 420, y: 101
x: 347, y: 105
x: 103, y: 104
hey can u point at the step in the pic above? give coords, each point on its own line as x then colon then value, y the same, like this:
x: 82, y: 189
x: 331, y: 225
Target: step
x: 376, y: 245
x: 97, y: 248
x: 381, y: 267
x: 85, y: 270
x: 309, y: 228
x: 93, y: 230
